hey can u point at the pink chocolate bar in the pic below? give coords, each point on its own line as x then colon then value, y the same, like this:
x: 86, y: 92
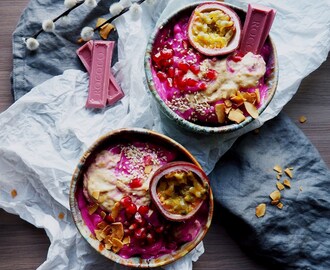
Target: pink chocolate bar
x: 99, y: 75
x: 258, y: 22
x: 115, y: 93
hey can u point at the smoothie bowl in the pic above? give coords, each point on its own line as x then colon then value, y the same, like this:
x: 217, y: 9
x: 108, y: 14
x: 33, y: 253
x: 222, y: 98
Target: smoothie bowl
x: 199, y: 75
x: 116, y: 212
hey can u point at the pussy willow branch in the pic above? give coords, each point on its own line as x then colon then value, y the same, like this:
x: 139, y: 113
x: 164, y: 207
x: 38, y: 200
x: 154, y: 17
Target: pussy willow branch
x: 65, y: 13
x: 116, y: 16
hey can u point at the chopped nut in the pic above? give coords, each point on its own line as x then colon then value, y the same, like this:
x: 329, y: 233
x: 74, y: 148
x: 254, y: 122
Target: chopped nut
x: 126, y: 240
x: 98, y: 235
x: 103, y: 214
x: 101, y: 225
x: 274, y: 202
x: 236, y: 116
x: 220, y: 112
x: 287, y: 183
x: 238, y: 100
x: 288, y: 172
x: 117, y: 230
x: 228, y: 103
x: 96, y: 195
x: 251, y: 109
x: 279, y: 185
x: 115, y: 210
x: 300, y: 188
x: 302, y: 119
x: 277, y: 168
x: 249, y: 97
x: 148, y: 169
x: 13, y: 193
x: 275, y: 195
x: 261, y: 210
x: 61, y: 215
x: 116, y: 245
x: 92, y: 208
x: 279, y: 205
x: 278, y: 176
x: 257, y: 95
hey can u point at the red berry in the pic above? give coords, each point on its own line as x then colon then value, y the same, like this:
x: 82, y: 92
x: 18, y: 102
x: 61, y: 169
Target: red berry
x: 126, y: 201
x: 140, y: 233
x: 170, y: 72
x: 211, y: 74
x: 159, y: 229
x: 139, y: 220
x: 191, y: 82
x: 161, y: 75
x: 135, y: 183
x: 202, y: 85
x: 131, y: 209
x: 194, y: 69
x: 109, y: 218
x: 183, y: 66
x: 166, y: 53
x: 143, y: 210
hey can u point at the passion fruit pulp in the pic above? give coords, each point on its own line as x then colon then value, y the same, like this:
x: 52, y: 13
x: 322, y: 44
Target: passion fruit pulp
x: 178, y: 189
x: 214, y: 29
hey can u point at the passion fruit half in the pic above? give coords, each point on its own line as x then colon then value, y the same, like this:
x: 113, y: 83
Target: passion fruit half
x: 214, y: 29
x: 178, y: 189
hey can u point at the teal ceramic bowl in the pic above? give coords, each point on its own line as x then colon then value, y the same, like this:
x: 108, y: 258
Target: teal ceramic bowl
x: 271, y: 78
x: 124, y: 136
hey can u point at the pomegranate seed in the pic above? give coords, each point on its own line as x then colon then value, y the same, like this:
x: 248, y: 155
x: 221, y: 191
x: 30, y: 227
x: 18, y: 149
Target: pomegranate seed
x: 159, y: 229
x: 140, y: 233
x: 110, y: 219
x: 185, y: 44
x: 139, y: 220
x: 237, y: 57
x: 133, y: 227
x: 183, y: 66
x: 131, y: 209
x: 143, y: 210
x: 135, y: 183
x: 161, y: 75
x: 202, y: 85
x: 170, y: 82
x: 194, y: 69
x: 157, y: 57
x: 166, y: 53
x: 126, y: 201
x: 191, y: 82
x: 170, y: 72
x: 211, y: 74
x: 150, y: 238
x: 166, y: 63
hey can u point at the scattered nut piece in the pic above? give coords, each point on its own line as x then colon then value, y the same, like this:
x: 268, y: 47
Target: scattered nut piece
x: 257, y: 95
x: 251, y: 109
x: 92, y: 208
x: 274, y: 202
x: 115, y: 210
x: 116, y: 245
x: 228, y: 103
x: 300, y: 188
x: 96, y: 195
x: 117, y: 230
x: 148, y: 169
x: 277, y: 168
x: 61, y: 215
x: 13, y: 193
x: 220, y: 112
x: 287, y: 183
x: 279, y: 205
x: 278, y: 176
x: 126, y: 240
x: 279, y: 185
x: 288, y: 172
x: 302, y: 119
x: 261, y: 210
x: 275, y: 195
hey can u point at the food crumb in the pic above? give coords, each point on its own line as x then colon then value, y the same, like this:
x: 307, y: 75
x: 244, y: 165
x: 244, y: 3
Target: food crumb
x: 279, y: 205
x: 288, y: 172
x: 13, y: 193
x: 277, y: 168
x: 287, y: 183
x: 61, y: 215
x: 261, y: 210
x: 302, y: 119
x: 279, y: 185
x: 275, y: 195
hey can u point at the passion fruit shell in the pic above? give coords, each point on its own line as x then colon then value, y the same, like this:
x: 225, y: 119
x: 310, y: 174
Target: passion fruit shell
x: 234, y: 40
x: 177, y: 166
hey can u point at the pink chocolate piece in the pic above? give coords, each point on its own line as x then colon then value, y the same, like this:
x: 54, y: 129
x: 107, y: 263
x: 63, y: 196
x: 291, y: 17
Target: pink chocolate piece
x: 258, y: 22
x: 99, y: 74
x: 115, y: 93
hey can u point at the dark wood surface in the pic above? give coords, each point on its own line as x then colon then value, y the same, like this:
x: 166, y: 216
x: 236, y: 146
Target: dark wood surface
x: 22, y: 246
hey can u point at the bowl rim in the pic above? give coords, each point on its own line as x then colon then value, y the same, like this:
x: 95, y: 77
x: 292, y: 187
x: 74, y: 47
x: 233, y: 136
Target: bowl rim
x: 273, y: 81
x: 135, y: 262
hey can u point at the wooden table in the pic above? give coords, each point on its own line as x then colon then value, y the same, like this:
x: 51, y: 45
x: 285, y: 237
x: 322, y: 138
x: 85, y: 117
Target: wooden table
x: 22, y: 246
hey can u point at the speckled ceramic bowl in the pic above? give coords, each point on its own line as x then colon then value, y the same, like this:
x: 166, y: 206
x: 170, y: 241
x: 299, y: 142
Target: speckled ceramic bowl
x: 271, y: 79
x: 127, y: 135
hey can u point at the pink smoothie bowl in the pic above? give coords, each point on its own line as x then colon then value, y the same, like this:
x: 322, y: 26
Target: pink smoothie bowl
x: 162, y: 95
x: 168, y: 150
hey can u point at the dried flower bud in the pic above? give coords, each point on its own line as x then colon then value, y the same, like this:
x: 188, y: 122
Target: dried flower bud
x: 136, y: 11
x: 48, y: 25
x: 125, y: 3
x: 31, y: 43
x: 70, y: 3
x: 87, y: 33
x: 116, y: 8
x: 90, y: 3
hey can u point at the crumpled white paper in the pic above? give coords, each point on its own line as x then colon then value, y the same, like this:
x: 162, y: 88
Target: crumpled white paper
x: 44, y: 133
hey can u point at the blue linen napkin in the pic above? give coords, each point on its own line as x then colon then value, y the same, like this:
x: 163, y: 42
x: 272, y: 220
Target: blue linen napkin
x: 296, y: 236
